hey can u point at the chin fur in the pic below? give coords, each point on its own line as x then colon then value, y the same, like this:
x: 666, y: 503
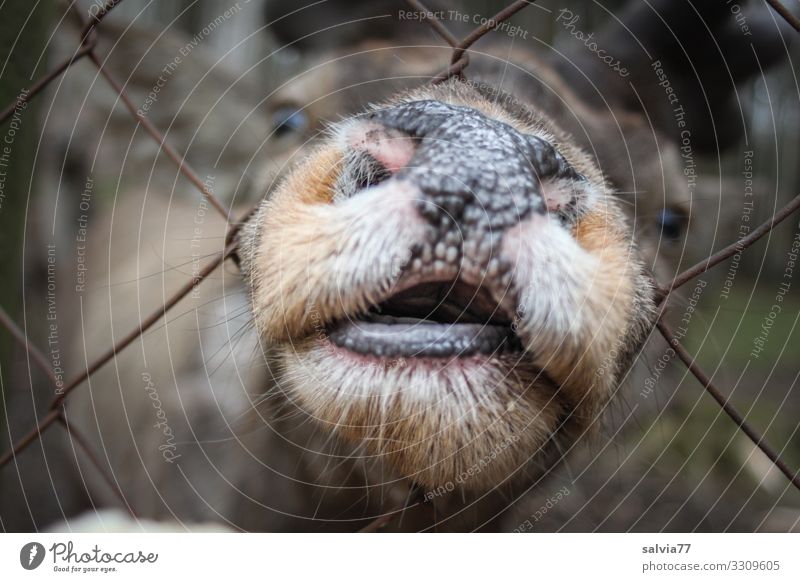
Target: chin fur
x: 469, y: 423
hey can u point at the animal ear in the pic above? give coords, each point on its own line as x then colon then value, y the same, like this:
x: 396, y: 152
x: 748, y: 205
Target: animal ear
x: 680, y: 53
x: 311, y: 25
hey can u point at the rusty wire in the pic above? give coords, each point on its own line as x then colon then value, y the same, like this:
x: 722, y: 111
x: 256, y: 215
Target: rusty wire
x: 458, y: 63
x: 785, y: 14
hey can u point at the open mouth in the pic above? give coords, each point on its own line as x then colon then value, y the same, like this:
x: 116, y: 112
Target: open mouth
x: 430, y: 319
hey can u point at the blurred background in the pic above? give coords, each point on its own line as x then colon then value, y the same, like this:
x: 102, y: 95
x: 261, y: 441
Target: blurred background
x: 671, y: 460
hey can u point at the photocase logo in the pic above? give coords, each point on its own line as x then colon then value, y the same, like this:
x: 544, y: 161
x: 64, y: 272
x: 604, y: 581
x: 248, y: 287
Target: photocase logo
x: 31, y: 555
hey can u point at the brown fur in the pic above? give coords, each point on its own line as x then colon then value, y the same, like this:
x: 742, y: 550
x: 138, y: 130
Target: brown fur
x: 306, y: 253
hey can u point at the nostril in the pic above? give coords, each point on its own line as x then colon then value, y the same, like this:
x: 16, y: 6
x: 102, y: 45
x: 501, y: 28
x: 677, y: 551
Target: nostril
x: 370, y: 173
x: 560, y: 197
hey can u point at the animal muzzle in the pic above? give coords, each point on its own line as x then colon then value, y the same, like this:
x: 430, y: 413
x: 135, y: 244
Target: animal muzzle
x: 476, y: 177
x: 469, y: 180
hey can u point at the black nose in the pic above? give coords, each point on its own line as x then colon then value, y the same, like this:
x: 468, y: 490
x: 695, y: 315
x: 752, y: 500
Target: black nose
x: 477, y: 174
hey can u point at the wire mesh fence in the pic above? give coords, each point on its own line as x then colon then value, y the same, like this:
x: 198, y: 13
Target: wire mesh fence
x: 458, y: 66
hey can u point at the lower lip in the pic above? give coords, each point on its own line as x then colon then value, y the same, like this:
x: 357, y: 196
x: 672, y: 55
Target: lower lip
x: 423, y: 339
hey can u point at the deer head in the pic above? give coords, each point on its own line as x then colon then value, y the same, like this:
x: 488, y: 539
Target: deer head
x: 448, y: 277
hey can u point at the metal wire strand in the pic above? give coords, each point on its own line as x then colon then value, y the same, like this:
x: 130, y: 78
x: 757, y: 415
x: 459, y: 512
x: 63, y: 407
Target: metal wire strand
x: 724, y: 403
x: 458, y: 63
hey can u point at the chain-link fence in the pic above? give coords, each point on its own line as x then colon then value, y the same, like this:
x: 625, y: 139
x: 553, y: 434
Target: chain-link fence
x: 458, y: 66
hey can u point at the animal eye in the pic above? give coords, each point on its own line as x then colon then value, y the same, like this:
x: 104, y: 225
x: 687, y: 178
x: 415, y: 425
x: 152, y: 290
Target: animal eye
x: 672, y: 223
x: 287, y: 119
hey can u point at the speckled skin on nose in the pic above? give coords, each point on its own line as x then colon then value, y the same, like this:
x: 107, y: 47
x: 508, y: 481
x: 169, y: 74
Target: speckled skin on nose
x: 480, y: 171
x: 478, y: 176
